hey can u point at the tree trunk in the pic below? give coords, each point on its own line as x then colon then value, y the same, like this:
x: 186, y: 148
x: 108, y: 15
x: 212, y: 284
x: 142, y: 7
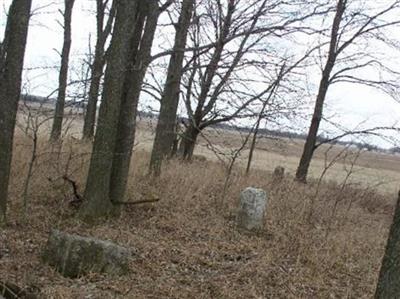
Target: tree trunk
x: 388, y: 282
x: 63, y: 75
x: 98, y: 203
x: 175, y: 143
x: 11, y: 64
x: 165, y: 131
x: 91, y: 109
x: 309, y: 146
x: 188, y: 142
x: 140, y: 59
x: 253, y: 144
x: 97, y: 68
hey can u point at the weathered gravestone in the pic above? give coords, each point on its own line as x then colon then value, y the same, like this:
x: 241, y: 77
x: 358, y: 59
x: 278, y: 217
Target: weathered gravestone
x: 279, y: 173
x: 252, y: 206
x: 73, y: 255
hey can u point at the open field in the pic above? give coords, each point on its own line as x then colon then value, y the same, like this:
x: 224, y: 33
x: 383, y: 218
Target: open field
x: 187, y: 245
x: 378, y: 170
x: 371, y: 168
x: 375, y: 169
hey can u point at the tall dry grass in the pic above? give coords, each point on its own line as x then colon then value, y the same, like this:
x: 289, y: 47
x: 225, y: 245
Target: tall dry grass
x: 187, y: 245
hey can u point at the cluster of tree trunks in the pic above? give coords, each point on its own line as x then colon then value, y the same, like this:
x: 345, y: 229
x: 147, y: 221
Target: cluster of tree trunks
x: 97, y: 192
x: 128, y: 58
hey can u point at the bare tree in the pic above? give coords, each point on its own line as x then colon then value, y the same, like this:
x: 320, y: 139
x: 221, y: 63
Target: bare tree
x: 63, y: 75
x: 222, y: 32
x: 103, y: 31
x: 272, y: 110
x: 218, y: 84
x: 255, y: 132
x: 34, y: 119
x: 12, y: 52
x: 166, y: 124
x: 352, y: 24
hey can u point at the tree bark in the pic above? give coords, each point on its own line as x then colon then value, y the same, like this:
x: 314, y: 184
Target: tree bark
x: 140, y: 59
x: 165, y: 130
x: 63, y: 75
x: 188, y: 142
x: 388, y: 282
x: 175, y: 143
x: 91, y: 109
x: 97, y: 68
x: 97, y: 192
x: 253, y: 144
x: 309, y: 146
x: 11, y: 64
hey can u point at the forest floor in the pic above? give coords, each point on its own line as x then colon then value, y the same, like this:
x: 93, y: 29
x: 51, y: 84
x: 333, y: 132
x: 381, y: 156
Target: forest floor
x: 187, y: 245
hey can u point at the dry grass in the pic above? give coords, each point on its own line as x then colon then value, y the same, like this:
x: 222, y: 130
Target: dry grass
x: 187, y: 244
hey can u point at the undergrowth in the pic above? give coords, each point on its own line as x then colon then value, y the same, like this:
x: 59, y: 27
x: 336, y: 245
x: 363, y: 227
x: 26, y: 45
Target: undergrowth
x: 186, y: 244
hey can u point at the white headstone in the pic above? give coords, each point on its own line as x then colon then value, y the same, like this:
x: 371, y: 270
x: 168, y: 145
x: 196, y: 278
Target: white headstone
x: 253, y: 202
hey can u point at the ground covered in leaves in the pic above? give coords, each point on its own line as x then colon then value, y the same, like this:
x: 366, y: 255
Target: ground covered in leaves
x: 187, y: 245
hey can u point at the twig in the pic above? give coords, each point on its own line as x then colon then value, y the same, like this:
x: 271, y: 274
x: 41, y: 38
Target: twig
x: 78, y: 198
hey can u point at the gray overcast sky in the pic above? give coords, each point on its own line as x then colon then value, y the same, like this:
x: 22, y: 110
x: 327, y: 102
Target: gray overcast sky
x: 350, y: 104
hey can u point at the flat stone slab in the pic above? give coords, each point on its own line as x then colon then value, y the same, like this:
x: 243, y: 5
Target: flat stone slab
x: 74, y: 256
